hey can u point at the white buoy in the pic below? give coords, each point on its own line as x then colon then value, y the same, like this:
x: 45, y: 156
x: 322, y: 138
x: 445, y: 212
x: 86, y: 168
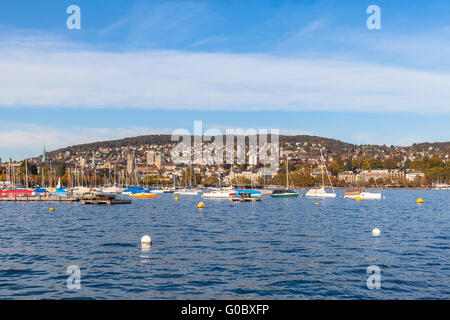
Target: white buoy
x: 146, y: 240
x: 376, y: 232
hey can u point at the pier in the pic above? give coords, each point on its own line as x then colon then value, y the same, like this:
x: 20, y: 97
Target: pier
x: 105, y: 199
x: 39, y: 199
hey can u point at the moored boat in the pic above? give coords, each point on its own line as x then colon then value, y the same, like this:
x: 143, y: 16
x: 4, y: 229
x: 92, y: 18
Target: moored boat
x: 353, y: 193
x: 252, y: 193
x: 286, y: 193
x: 187, y: 192
x: 16, y: 192
x: 218, y: 194
x: 320, y: 193
x: 143, y: 195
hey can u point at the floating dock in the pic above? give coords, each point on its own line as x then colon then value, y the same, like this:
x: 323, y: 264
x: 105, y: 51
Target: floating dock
x: 105, y: 199
x: 39, y: 199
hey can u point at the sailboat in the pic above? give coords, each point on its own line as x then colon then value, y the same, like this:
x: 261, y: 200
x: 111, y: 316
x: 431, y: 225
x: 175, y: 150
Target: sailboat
x: 321, y: 192
x: 361, y: 193
x: 189, y: 191
x: 220, y: 193
x: 285, y: 193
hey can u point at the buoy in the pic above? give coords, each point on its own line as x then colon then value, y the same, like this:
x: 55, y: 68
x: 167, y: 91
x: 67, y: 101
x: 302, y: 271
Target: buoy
x: 176, y: 197
x: 146, y: 240
x: 52, y: 209
x: 317, y: 203
x: 376, y: 232
x: 358, y: 198
x: 419, y: 200
x: 201, y: 205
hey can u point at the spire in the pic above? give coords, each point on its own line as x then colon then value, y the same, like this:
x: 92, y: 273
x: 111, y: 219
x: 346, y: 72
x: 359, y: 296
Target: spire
x: 93, y: 160
x: 44, y: 157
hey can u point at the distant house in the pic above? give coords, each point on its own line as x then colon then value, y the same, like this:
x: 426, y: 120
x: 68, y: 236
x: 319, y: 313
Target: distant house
x: 348, y: 176
x: 413, y: 175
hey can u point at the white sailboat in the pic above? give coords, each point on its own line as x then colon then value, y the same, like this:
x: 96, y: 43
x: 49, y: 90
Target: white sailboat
x: 353, y: 193
x: 220, y: 193
x: 361, y: 193
x: 189, y: 191
x: 321, y: 192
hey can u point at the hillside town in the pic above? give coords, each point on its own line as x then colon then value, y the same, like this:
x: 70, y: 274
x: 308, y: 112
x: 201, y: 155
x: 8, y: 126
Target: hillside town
x: 135, y: 163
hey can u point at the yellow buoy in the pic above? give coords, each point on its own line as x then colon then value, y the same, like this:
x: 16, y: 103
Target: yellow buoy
x: 419, y: 200
x: 52, y: 209
x: 317, y: 203
x: 176, y: 197
x: 201, y: 205
x: 358, y: 198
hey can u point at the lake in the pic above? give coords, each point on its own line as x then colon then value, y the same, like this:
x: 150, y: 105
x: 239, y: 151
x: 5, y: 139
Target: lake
x: 273, y: 249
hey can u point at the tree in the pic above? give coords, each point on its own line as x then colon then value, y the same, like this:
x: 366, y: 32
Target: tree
x: 61, y: 171
x: 211, y: 180
x: 390, y: 164
x: 336, y: 166
x: 32, y: 168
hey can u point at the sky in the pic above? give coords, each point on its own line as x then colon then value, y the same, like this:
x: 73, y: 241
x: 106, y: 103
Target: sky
x: 145, y: 67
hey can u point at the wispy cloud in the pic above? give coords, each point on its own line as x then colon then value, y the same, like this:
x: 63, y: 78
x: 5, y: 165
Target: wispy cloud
x: 50, y: 76
x: 208, y: 41
x: 114, y: 26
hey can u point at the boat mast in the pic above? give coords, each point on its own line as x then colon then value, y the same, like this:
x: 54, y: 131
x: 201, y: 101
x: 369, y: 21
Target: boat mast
x: 323, y: 163
x: 26, y: 172
x: 287, y: 172
x: 264, y: 177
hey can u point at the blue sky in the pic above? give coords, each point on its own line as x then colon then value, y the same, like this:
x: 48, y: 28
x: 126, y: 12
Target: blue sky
x: 305, y: 67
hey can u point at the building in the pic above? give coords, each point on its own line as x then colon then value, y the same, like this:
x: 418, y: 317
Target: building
x: 414, y: 175
x: 159, y: 161
x: 151, y: 157
x: 366, y: 175
x: 147, y: 170
x: 82, y: 162
x: 347, y: 176
x: 130, y: 164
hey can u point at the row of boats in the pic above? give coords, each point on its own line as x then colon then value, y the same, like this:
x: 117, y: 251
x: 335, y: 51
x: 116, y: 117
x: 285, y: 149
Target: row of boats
x: 212, y: 193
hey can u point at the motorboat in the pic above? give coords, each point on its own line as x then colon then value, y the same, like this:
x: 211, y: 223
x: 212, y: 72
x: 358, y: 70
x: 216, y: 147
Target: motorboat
x: 353, y: 193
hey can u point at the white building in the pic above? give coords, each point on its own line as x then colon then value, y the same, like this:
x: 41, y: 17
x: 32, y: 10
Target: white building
x: 412, y: 175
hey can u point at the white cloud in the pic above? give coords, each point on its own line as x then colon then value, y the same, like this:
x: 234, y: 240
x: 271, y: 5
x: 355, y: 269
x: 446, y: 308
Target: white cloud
x: 47, y: 75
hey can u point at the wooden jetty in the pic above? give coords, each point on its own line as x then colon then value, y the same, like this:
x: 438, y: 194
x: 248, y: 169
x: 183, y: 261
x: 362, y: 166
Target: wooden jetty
x: 46, y: 198
x: 105, y: 199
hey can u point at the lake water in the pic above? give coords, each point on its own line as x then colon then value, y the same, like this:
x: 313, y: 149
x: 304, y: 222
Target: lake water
x: 274, y: 249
